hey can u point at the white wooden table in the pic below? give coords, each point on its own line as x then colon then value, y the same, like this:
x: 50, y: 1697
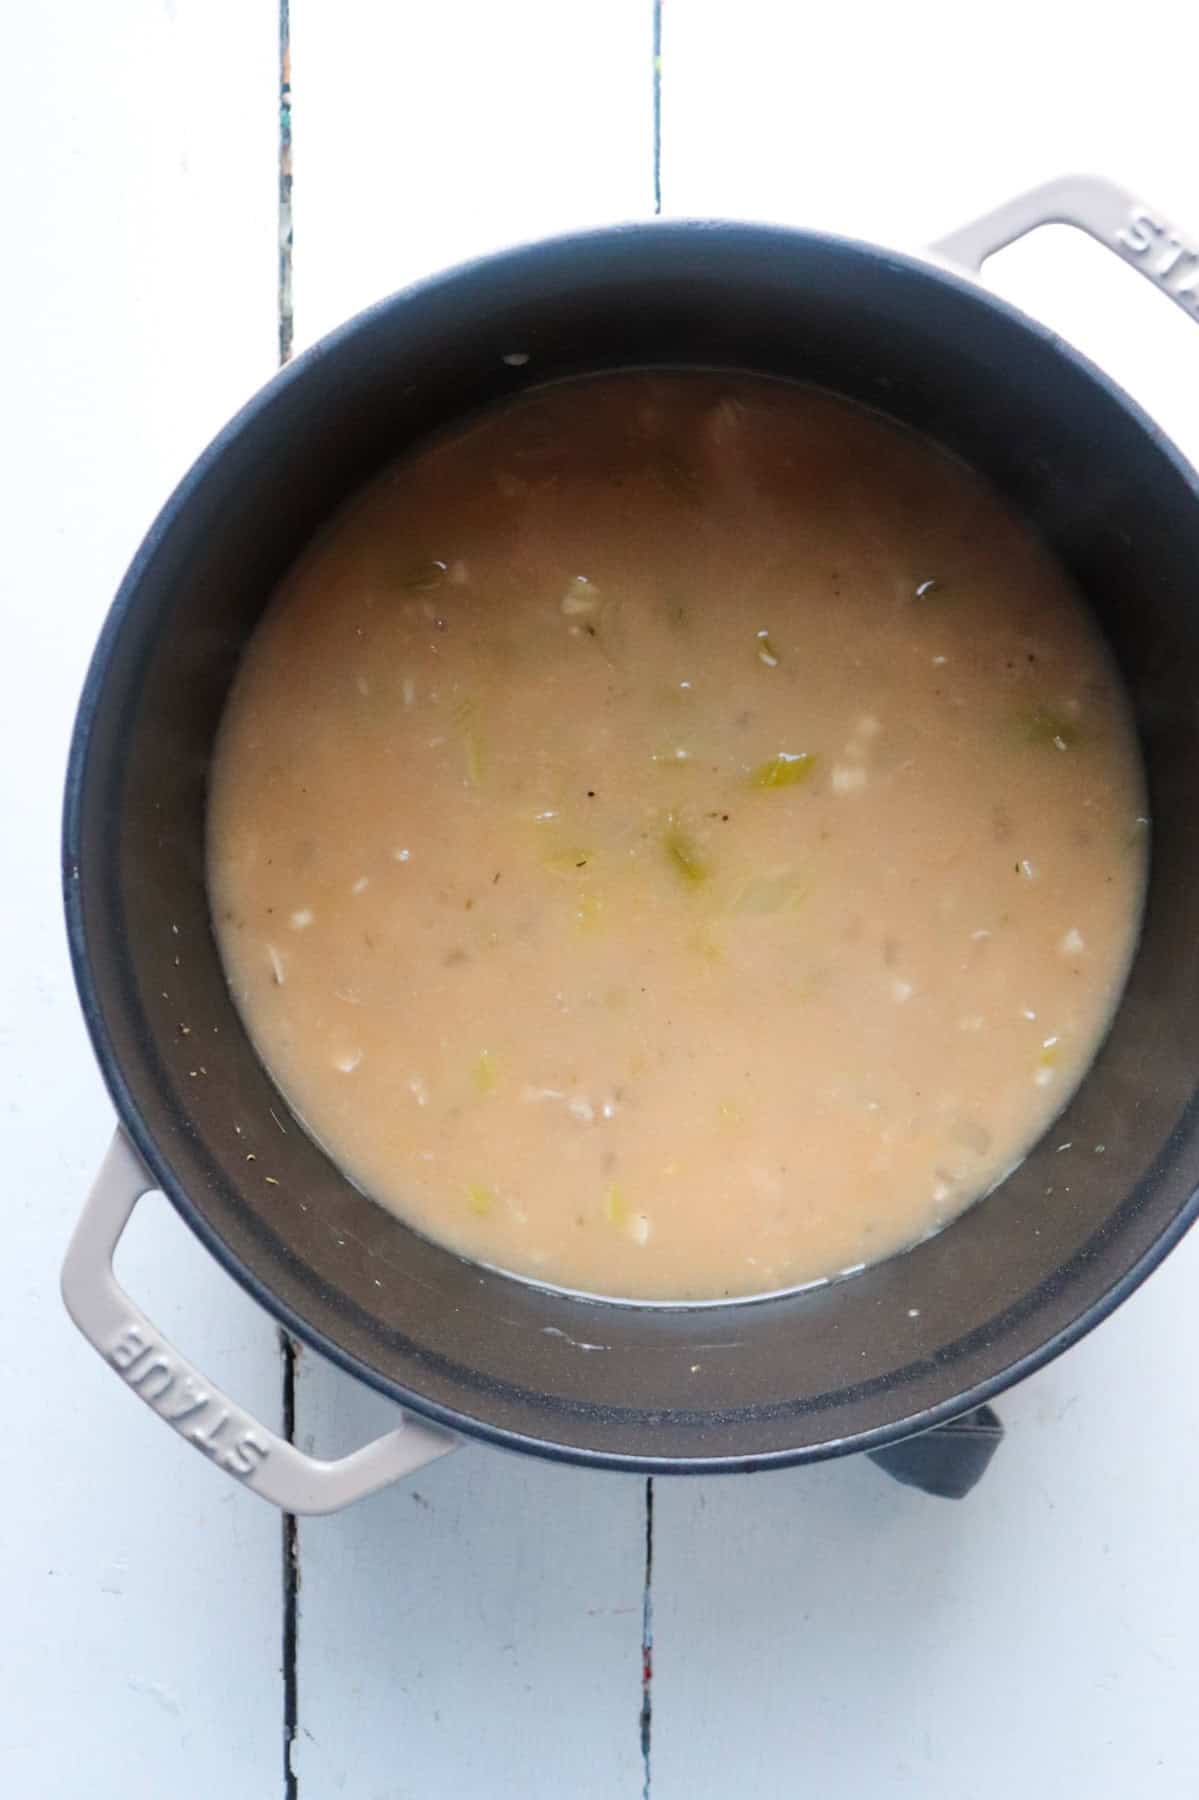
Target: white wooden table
x: 484, y: 1630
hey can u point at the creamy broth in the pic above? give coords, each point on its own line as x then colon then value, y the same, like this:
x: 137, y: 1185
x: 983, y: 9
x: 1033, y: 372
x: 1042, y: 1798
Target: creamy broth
x: 682, y: 836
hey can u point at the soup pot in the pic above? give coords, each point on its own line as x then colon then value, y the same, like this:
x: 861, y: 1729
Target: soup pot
x: 860, y: 1364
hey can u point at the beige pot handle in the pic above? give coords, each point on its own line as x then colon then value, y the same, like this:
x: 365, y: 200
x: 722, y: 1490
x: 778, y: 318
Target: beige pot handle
x: 254, y: 1455
x: 1139, y: 234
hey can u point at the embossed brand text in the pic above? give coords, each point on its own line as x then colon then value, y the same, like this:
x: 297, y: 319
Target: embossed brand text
x: 205, y: 1419
x: 1162, y: 254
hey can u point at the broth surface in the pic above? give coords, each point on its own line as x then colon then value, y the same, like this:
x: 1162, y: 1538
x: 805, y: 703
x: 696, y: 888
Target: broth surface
x: 681, y: 836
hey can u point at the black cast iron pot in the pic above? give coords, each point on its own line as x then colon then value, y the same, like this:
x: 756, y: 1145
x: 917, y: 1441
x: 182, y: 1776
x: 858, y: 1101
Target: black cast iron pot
x: 908, y: 1345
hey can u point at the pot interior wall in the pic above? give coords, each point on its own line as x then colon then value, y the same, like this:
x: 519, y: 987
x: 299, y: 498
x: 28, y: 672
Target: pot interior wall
x: 750, y: 1382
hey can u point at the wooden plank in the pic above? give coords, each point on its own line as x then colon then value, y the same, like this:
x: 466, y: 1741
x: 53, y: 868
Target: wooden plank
x: 824, y: 1628
x: 141, y: 1588
x: 425, y: 135
x: 830, y: 1629
x: 899, y: 123
x: 478, y: 1630
x: 475, y: 1630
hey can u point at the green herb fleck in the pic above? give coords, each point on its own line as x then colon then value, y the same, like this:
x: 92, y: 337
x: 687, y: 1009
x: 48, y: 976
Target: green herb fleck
x: 479, y: 1199
x: 569, y: 864
x: 1044, y: 726
x: 682, y: 851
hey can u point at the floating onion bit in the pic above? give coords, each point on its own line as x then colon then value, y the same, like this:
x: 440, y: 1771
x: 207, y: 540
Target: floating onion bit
x: 479, y: 1199
x: 423, y: 577
x: 685, y: 857
x: 484, y: 1072
x: 581, y: 598
x: 677, y: 755
x: 616, y: 1211
x: 639, y: 1228
x: 925, y: 588
x: 786, y: 769
x: 766, y: 651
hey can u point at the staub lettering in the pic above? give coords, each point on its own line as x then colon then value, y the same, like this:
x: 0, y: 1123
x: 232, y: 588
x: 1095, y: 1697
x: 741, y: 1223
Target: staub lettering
x: 204, y: 1419
x: 1162, y: 254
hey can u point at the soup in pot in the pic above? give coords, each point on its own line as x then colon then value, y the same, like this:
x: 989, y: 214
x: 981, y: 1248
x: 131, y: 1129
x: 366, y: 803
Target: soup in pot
x: 681, y: 836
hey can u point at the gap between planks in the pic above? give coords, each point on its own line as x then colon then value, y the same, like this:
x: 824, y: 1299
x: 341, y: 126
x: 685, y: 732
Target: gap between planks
x: 289, y: 1350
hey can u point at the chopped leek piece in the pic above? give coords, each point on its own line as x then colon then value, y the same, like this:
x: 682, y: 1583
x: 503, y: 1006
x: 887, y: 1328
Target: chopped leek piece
x: 466, y: 716
x: 682, y: 851
x: 769, y: 894
x: 1044, y: 726
x: 581, y: 597
x: 615, y: 1210
x: 484, y: 1072
x: 589, y: 912
x: 787, y: 769
x: 479, y: 1199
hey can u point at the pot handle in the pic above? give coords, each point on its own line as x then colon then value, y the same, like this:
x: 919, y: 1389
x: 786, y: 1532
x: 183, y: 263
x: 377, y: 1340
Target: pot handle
x: 1111, y: 215
x: 948, y: 1461
x: 257, y: 1457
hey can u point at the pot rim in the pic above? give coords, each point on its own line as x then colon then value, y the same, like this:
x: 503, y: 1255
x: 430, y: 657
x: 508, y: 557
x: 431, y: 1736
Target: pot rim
x: 129, y: 1113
